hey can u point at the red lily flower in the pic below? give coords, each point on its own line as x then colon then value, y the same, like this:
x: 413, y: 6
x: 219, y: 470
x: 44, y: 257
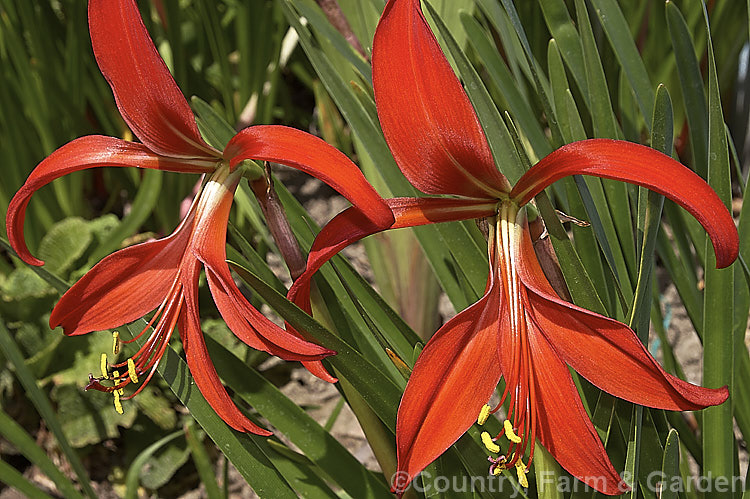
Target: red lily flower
x: 520, y: 329
x: 162, y: 275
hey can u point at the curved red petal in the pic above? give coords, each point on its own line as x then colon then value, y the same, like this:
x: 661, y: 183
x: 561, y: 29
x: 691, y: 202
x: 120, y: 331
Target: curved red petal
x: 563, y: 426
x: 640, y: 165
x: 146, y: 94
x: 453, y: 378
x: 252, y: 327
x: 300, y: 150
x: 318, y: 370
x: 351, y: 225
x: 201, y: 366
x: 80, y: 154
x: 209, y: 246
x: 427, y: 119
x: 123, y: 287
x: 605, y: 351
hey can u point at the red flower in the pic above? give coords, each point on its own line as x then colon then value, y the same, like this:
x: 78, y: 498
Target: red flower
x: 520, y: 329
x: 163, y: 274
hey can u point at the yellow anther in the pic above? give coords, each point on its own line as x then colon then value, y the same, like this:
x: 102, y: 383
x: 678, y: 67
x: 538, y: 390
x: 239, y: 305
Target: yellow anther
x: 497, y: 470
x: 131, y: 371
x: 508, y: 427
x: 103, y: 365
x: 484, y: 414
x: 115, y: 343
x: 116, y: 378
x: 118, y: 404
x: 521, y: 472
x: 487, y: 441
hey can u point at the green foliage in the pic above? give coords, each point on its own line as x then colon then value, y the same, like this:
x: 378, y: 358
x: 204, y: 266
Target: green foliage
x: 539, y: 73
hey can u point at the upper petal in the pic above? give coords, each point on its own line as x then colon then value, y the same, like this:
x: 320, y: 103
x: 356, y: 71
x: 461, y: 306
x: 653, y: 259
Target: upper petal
x: 563, y: 426
x: 453, y: 378
x: 640, y: 165
x: 80, y: 154
x: 427, y: 119
x: 146, y: 94
x: 312, y: 155
x: 603, y: 350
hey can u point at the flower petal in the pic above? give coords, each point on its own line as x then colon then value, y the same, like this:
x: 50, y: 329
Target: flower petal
x: 121, y: 288
x: 200, y: 364
x: 563, y: 426
x: 252, y: 327
x: 351, y: 225
x: 80, y: 154
x: 300, y: 150
x: 605, y: 351
x: 427, y: 119
x: 146, y: 94
x: 640, y: 165
x: 318, y: 370
x: 454, y: 376
x: 209, y: 246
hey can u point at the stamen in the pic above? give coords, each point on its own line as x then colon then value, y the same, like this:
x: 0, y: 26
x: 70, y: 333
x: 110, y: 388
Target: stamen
x: 103, y: 365
x: 498, y: 465
x: 521, y: 472
x: 115, y: 343
x: 509, y: 433
x: 131, y: 371
x: 116, y: 377
x: 487, y: 441
x: 118, y: 404
x: 484, y: 414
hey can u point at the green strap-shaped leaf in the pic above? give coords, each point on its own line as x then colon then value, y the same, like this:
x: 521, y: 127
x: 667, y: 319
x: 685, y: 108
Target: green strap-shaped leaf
x: 649, y: 215
x: 670, y: 466
x: 718, y: 341
x: 617, y: 31
x: 564, y: 32
x: 691, y: 83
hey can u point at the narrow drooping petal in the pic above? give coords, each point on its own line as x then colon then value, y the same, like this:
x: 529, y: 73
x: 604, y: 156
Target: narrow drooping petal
x: 640, y: 165
x: 605, y: 351
x: 147, y: 96
x: 252, y: 327
x: 453, y: 378
x: 87, y: 152
x: 200, y: 364
x: 351, y: 225
x: 208, y: 244
x: 563, y: 426
x: 305, y: 152
x: 427, y: 119
x: 123, y: 287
